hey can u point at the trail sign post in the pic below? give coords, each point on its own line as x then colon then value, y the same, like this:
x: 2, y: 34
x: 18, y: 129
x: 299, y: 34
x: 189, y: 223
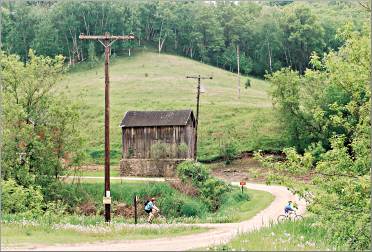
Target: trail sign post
x: 107, y: 40
x: 242, y: 184
x: 135, y: 199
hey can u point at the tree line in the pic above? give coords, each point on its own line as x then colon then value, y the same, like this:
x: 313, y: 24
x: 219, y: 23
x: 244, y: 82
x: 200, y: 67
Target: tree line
x: 269, y: 35
x: 325, y: 114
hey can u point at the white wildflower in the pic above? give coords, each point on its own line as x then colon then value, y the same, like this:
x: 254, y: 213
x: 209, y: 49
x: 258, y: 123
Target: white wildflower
x: 310, y: 244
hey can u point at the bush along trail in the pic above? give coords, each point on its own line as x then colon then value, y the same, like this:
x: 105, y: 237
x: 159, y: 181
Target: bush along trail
x: 219, y: 233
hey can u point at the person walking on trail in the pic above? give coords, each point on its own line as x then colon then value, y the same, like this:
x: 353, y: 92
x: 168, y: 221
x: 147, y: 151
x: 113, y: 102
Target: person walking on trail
x: 151, y: 209
x: 289, y: 208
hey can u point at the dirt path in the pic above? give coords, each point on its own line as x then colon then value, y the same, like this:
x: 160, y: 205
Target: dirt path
x: 248, y: 169
x: 220, y: 233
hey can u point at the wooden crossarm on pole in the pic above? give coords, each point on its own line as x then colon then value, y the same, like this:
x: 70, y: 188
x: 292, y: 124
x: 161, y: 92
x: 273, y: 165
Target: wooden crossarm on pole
x: 107, y: 38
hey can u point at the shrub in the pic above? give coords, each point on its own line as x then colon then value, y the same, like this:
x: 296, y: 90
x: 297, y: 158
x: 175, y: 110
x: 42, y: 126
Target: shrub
x: 228, y: 151
x: 193, y: 208
x: 71, y: 195
x: 178, y: 205
x: 130, y: 152
x: 87, y: 208
x: 100, y: 154
x: 193, y: 171
x: 126, y: 210
x: 185, y: 188
x: 183, y: 148
x: 54, y: 212
x: 316, y: 150
x: 247, y: 83
x: 159, y: 150
x: 211, y: 189
x: 229, y: 148
x: 18, y: 199
x: 171, y: 205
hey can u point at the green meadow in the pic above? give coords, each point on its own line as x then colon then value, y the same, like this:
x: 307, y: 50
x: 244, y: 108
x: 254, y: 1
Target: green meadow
x: 149, y: 81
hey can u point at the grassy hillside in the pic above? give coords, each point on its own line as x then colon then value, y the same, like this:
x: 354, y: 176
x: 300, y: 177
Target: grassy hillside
x: 148, y: 81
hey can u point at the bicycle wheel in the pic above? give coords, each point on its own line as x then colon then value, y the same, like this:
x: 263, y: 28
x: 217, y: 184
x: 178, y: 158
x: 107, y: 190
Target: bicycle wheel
x: 162, y: 218
x: 282, y: 218
x: 298, y: 218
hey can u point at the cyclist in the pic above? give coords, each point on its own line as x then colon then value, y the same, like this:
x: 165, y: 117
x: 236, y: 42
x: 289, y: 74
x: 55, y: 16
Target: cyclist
x: 289, y: 208
x: 151, y: 209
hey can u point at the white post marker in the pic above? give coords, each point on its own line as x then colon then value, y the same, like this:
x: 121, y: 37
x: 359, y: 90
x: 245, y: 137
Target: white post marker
x: 107, y: 199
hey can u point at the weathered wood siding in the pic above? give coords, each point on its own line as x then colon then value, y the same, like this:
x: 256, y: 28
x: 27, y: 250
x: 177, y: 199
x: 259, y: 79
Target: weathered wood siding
x: 137, y: 141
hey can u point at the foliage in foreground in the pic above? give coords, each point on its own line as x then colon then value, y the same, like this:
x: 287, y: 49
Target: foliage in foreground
x: 289, y: 235
x: 41, y: 136
x: 211, y: 190
x: 18, y: 199
x: 334, y: 100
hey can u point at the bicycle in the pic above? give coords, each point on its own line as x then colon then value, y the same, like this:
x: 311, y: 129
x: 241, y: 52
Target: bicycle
x: 162, y: 218
x: 292, y: 215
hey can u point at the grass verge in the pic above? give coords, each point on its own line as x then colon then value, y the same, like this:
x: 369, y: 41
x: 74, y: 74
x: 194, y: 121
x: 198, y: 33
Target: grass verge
x: 23, y: 235
x: 295, y: 236
x: 230, y: 212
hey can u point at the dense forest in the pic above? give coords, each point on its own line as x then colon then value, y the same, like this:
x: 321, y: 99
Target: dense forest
x: 269, y: 35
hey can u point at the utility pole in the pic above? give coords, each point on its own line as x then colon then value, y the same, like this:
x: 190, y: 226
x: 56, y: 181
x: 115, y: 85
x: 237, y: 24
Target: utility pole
x: 238, y: 62
x: 370, y: 115
x: 197, y: 111
x: 107, y: 40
